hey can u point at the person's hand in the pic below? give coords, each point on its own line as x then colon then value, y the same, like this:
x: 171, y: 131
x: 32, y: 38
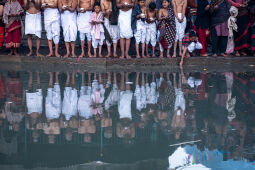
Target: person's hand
x: 216, y: 6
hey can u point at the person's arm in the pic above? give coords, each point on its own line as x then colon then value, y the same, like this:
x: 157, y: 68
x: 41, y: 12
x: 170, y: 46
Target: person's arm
x: 183, y: 54
x: 184, y: 10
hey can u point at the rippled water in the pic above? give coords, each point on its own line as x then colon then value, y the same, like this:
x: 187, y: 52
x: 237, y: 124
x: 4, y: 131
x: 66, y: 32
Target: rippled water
x: 59, y: 119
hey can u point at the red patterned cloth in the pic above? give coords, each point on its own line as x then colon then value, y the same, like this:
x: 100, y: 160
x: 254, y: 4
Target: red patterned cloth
x: 1, y: 36
x: 13, y: 34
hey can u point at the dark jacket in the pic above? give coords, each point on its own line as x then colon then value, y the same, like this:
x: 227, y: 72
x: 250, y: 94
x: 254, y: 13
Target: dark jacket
x: 203, y: 16
x: 136, y: 11
x: 221, y: 14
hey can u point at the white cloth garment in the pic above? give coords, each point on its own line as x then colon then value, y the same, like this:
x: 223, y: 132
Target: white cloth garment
x: 33, y: 24
x: 95, y: 88
x: 69, y: 25
x: 84, y: 26
x: 180, y: 27
x: 151, y: 94
x: 140, y: 96
x: 52, y: 24
x: 140, y: 33
x: 84, y: 102
x: 194, y: 46
x: 124, y: 23
x: 179, y: 100
x: 151, y: 34
x: 192, y: 82
x: 124, y: 105
x: 53, y: 102
x: 34, y: 101
x: 70, y: 103
x: 100, y: 42
x: 113, y: 31
x: 113, y: 97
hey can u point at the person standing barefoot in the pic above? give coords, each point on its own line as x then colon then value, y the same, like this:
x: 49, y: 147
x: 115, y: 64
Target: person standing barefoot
x: 33, y: 24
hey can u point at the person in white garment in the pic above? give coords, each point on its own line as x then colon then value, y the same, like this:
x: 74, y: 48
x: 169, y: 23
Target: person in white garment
x: 124, y: 23
x: 84, y: 101
x: 113, y: 97
x: 84, y: 9
x: 151, y: 92
x: 68, y: 12
x: 107, y: 9
x: 34, y: 100
x: 180, y: 21
x: 70, y: 100
x: 178, y: 120
x: 33, y: 24
x: 140, y: 94
x: 53, y: 99
x: 52, y: 24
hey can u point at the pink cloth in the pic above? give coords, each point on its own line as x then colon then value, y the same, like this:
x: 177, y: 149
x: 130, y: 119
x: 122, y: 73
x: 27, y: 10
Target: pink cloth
x: 222, y: 29
x: 97, y: 18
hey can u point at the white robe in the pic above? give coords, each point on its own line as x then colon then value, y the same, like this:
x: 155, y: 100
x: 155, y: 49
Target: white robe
x: 83, y: 23
x: 53, y: 102
x: 70, y: 101
x: 124, y: 23
x: 52, y: 24
x: 33, y: 24
x: 69, y: 25
x: 151, y: 94
x: 113, y: 31
x: 179, y: 100
x: 34, y: 101
x: 140, y: 97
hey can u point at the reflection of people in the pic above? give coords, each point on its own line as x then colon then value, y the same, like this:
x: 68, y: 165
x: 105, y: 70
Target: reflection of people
x: 106, y: 123
x: 53, y: 99
x: 70, y: 101
x: 87, y: 127
x: 52, y: 130
x: 140, y: 94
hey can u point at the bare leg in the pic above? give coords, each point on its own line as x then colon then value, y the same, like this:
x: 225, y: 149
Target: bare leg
x: 50, y: 48
x: 73, y: 49
x: 73, y: 79
x: 127, y: 80
x: 122, y: 48
x: 180, y: 48
x: 89, y: 49
x: 153, y: 51
x: 100, y: 51
x: 175, y: 46
x: 30, y: 80
x: 95, y: 53
x: 11, y: 51
x: 114, y: 49
x: 143, y: 48
x: 38, y: 43
x: 127, y: 48
x: 67, y: 79
x: 108, y: 51
x: 82, y: 50
x: 15, y: 52
x: 57, y: 73
x: 168, y: 53
x: 147, y: 50
x: 56, y: 50
x: 38, y: 80
x: 137, y: 51
x: 82, y: 79
x: 29, y: 43
x: 67, y: 50
x: 51, y: 80
x: 161, y: 54
x: 137, y: 78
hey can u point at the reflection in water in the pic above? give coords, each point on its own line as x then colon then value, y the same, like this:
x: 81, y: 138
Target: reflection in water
x: 124, y: 117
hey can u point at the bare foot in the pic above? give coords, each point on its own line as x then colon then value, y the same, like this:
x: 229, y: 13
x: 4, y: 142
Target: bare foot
x: 204, y: 55
x: 30, y: 54
x: 74, y: 56
x: 49, y: 55
x: 144, y: 56
x: 16, y: 53
x: 168, y: 56
x: 82, y: 55
x: 128, y: 57
x: 108, y: 55
x: 223, y: 54
x: 174, y: 56
x: 115, y: 55
x: 100, y: 56
x: 57, y: 54
x: 237, y: 54
x: 10, y: 53
x: 243, y: 53
x: 187, y: 55
x: 214, y: 55
x: 90, y: 56
x: 148, y: 56
x: 38, y: 54
x: 180, y: 54
x: 161, y: 56
x: 67, y: 55
x: 137, y: 56
x: 122, y: 57
x: 153, y: 56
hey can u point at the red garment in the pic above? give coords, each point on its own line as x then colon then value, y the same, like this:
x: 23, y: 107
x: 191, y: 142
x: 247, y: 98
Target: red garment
x: 202, y: 38
x: 20, y: 2
x: 2, y: 89
x: 1, y: 36
x: 13, y: 33
x: 14, y: 90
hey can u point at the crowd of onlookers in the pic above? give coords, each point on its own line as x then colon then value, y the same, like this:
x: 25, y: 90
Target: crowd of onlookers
x: 180, y: 27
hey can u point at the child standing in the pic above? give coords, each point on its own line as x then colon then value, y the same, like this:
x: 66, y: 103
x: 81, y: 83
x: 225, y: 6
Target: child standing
x: 151, y: 29
x: 138, y: 26
x: 191, y: 44
x: 97, y: 31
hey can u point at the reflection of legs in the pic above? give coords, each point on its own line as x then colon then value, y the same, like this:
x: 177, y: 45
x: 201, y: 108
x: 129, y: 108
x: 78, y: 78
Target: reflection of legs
x: 82, y: 79
x: 38, y: 80
x: 89, y: 79
x: 137, y: 78
x: 127, y: 80
x: 73, y: 80
x: 114, y: 78
x: 57, y: 73
x: 30, y: 80
x: 108, y: 77
x: 67, y: 79
x: 122, y: 81
x: 51, y: 80
x: 174, y: 77
x: 29, y: 43
x: 143, y: 82
x: 180, y: 80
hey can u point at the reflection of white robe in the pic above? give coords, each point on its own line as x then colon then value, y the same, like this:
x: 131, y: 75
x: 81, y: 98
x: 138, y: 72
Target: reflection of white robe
x: 124, y: 22
x: 113, y: 97
x: 69, y: 25
x: 70, y: 101
x: 151, y: 95
x: 124, y: 106
x: 34, y: 101
x: 52, y: 24
x: 140, y: 97
x: 53, y: 102
x: 33, y: 24
x: 179, y: 100
x: 84, y: 102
